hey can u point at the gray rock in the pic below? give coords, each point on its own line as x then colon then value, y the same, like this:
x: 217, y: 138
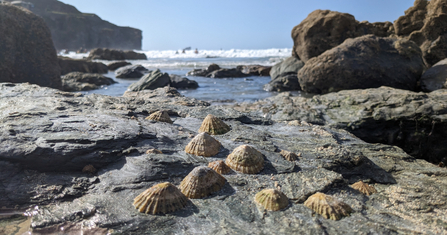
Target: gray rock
x: 227, y: 73
x: 364, y: 62
x: 131, y: 71
x: 77, y: 81
x: 151, y: 81
x: 203, y: 72
x: 435, y: 77
x: 290, y: 65
x: 180, y: 82
x: 287, y: 82
x: 116, y: 65
x: 255, y: 70
x: 113, y: 54
x: 69, y: 65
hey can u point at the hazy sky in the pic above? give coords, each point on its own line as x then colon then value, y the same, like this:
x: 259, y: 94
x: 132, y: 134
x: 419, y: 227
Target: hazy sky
x: 228, y: 24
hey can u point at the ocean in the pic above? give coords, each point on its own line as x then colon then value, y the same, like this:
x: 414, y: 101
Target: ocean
x: 215, y: 90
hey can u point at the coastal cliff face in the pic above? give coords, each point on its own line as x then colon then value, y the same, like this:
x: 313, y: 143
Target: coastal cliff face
x: 73, y: 30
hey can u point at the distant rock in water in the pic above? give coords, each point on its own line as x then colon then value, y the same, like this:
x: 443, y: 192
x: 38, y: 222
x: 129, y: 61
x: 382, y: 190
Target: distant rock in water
x: 203, y: 72
x: 151, y: 81
x: 180, y: 82
x: 77, y: 81
x: 116, y: 65
x: 69, y: 65
x: 112, y: 54
x: 27, y: 53
x: 131, y: 71
x: 73, y: 30
x: 284, y: 75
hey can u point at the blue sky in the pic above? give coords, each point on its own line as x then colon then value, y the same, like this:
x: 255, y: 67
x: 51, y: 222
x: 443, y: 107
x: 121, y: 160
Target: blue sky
x: 229, y: 24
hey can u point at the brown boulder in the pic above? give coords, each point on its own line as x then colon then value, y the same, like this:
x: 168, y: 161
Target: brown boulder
x: 27, y: 53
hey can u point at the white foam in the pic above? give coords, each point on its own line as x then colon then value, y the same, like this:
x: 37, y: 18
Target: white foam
x: 233, y: 53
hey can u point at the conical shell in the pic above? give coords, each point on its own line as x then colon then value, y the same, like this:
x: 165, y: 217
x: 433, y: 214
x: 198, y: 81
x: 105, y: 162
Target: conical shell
x: 201, y: 182
x: 213, y: 126
x: 327, y: 206
x: 272, y: 199
x: 89, y: 169
x: 289, y: 156
x: 160, y: 198
x: 219, y: 167
x: 364, y: 188
x: 245, y: 159
x: 203, y: 145
x: 160, y: 116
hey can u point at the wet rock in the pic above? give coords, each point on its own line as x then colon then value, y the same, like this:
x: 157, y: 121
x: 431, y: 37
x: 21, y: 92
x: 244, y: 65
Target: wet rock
x: 116, y: 65
x: 227, y: 73
x: 290, y: 65
x: 287, y: 82
x: 180, y: 82
x: 203, y: 72
x: 113, y: 54
x: 131, y: 71
x: 69, y: 65
x: 364, y: 62
x: 435, y: 77
x: 77, y: 81
x: 255, y: 70
x: 151, y: 81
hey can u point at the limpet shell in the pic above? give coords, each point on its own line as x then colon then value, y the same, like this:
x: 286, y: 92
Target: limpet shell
x: 219, y: 166
x: 364, y: 188
x: 289, y: 156
x: 213, y: 126
x: 160, y: 116
x: 203, y: 145
x: 327, y: 206
x: 89, y: 169
x: 201, y: 182
x: 272, y: 199
x: 160, y: 198
x: 153, y: 151
x: 245, y: 159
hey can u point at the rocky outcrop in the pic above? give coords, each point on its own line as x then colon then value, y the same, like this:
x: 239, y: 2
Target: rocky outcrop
x: 203, y: 72
x: 364, y: 62
x: 227, y: 73
x: 435, y: 77
x: 131, y: 71
x: 287, y: 82
x: 27, y: 53
x: 151, y: 81
x: 69, y: 65
x: 70, y: 131
x: 116, y: 65
x: 180, y: 82
x: 255, y: 70
x: 112, y: 54
x: 72, y: 29
x: 284, y: 75
x: 77, y: 81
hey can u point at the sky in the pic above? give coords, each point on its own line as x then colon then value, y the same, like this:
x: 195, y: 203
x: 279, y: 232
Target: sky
x: 228, y: 24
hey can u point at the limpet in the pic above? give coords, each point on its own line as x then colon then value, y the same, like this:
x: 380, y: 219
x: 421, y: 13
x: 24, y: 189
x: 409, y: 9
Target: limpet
x: 364, y: 188
x: 328, y: 206
x: 213, y: 126
x: 289, y: 156
x: 272, y: 199
x: 219, y: 166
x: 160, y: 198
x: 201, y: 182
x: 160, y: 116
x: 245, y: 159
x: 203, y: 145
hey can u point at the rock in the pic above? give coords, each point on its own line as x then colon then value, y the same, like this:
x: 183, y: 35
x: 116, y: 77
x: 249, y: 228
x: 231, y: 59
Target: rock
x: 364, y: 62
x: 73, y: 30
x: 131, y: 71
x: 435, y: 77
x: 412, y: 20
x: 151, y: 81
x: 203, y: 72
x: 69, y: 65
x: 287, y: 82
x: 116, y: 65
x: 76, y: 81
x: 227, y: 73
x: 27, y: 52
x: 112, y: 54
x: 180, y: 82
x: 290, y: 65
x: 255, y: 70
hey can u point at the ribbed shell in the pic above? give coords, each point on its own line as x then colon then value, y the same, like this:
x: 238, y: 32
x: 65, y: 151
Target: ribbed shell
x: 364, y: 188
x: 201, y: 182
x: 219, y: 167
x: 289, y: 156
x: 203, y: 145
x: 160, y: 116
x: 272, y: 199
x: 89, y: 169
x: 245, y: 159
x: 327, y: 206
x: 213, y: 126
x: 161, y: 198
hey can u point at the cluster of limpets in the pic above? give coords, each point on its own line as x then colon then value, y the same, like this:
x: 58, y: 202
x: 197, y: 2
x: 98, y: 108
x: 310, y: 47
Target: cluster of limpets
x: 205, y: 180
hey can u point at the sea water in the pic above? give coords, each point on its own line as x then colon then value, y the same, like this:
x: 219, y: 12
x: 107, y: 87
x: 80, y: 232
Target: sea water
x: 210, y: 89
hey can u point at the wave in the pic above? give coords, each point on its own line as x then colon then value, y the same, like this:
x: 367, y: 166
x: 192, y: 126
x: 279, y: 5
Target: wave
x: 233, y: 53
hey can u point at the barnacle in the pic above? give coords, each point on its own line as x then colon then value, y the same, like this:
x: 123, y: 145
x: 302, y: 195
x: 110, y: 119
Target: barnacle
x: 245, y: 159
x: 203, y: 145
x: 213, y: 126
x: 272, y: 199
x: 364, y: 188
x: 289, y: 156
x: 219, y: 166
x: 160, y: 116
x: 160, y: 198
x: 327, y: 206
x: 201, y: 182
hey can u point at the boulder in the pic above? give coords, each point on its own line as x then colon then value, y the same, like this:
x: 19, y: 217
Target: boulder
x: 131, y: 71
x: 287, y: 82
x: 113, y: 54
x: 180, y: 82
x: 203, y: 72
x: 412, y: 20
x: 435, y: 77
x: 227, y: 73
x: 69, y: 65
x: 76, y: 81
x: 255, y: 70
x: 364, y: 62
x: 116, y: 65
x: 27, y: 53
x: 290, y: 65
x: 151, y: 81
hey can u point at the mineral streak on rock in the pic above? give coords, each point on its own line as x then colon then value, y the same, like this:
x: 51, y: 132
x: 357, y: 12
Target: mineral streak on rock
x: 289, y: 156
x: 201, y: 182
x: 89, y: 169
x: 153, y: 151
x: 213, y: 126
x: 364, y: 188
x: 203, y: 145
x: 328, y: 206
x: 160, y: 116
x: 161, y: 198
x: 272, y: 199
x: 220, y: 167
x: 245, y: 159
